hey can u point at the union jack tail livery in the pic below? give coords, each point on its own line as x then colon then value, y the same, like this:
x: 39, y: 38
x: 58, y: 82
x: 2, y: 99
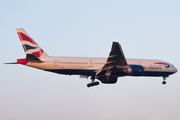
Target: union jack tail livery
x: 29, y: 45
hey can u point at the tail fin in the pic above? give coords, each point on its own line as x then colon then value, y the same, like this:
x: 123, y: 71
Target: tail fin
x: 29, y: 45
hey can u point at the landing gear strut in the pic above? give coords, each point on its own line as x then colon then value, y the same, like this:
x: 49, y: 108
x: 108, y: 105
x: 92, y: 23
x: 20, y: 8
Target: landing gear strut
x: 93, y: 83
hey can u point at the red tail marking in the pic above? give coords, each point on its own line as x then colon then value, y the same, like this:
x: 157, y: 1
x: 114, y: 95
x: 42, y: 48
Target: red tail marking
x: 24, y: 37
x: 39, y: 53
x: 22, y: 61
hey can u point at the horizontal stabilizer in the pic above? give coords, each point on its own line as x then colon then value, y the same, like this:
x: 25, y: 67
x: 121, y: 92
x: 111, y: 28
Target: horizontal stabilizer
x: 33, y: 58
x: 12, y: 63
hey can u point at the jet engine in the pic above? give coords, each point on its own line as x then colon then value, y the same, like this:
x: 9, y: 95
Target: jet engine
x: 134, y: 70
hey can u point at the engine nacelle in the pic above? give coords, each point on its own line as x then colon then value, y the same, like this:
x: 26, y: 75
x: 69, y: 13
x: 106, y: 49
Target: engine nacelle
x: 135, y: 70
x: 108, y: 80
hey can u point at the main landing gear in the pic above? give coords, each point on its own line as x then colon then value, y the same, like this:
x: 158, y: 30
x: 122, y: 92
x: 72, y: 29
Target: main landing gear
x: 164, y: 80
x: 93, y: 83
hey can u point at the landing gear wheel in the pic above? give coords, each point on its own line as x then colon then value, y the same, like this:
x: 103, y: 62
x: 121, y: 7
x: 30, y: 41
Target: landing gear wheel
x: 164, y: 82
x: 92, y: 84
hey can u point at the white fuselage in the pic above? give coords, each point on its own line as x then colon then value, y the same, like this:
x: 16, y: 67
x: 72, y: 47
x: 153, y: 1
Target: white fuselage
x: 87, y: 66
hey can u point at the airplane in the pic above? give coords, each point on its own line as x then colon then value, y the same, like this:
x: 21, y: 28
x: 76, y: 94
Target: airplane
x: 106, y: 70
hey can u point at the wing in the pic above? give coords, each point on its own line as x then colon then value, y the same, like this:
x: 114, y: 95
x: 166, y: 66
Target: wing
x: 115, y: 63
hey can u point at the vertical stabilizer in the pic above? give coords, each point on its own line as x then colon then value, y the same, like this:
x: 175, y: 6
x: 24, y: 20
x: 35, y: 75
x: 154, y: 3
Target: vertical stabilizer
x: 29, y: 45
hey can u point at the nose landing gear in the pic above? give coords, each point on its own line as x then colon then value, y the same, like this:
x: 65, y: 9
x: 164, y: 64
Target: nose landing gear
x: 164, y: 80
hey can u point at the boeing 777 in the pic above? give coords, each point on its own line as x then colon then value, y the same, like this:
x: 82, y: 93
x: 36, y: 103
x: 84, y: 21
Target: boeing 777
x: 106, y: 70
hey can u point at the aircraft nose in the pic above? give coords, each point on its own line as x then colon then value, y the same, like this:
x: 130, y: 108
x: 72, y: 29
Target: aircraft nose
x: 175, y: 70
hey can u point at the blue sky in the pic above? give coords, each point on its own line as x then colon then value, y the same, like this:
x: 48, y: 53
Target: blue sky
x: 145, y: 29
